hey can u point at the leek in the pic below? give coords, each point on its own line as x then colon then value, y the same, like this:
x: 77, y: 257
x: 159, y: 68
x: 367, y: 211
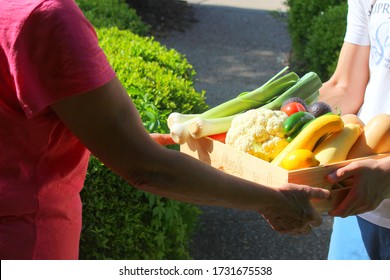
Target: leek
x: 199, y: 127
x: 176, y: 118
x: 253, y: 99
x: 306, y: 88
x: 243, y: 102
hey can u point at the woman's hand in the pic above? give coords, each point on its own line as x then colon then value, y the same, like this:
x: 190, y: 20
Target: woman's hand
x: 293, y: 213
x: 370, y: 184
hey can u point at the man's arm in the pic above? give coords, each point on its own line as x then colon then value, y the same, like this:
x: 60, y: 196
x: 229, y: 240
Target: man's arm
x: 346, y: 88
x: 107, y: 122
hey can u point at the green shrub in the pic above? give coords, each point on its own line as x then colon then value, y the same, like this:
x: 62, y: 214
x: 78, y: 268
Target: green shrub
x: 110, y: 13
x: 301, y: 14
x: 162, y: 76
x: 325, y: 41
x: 121, y: 222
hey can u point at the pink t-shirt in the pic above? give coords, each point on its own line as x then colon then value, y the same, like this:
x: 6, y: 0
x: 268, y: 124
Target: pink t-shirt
x: 48, y: 51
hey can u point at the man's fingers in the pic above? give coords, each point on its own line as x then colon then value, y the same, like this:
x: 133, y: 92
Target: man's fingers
x: 318, y: 193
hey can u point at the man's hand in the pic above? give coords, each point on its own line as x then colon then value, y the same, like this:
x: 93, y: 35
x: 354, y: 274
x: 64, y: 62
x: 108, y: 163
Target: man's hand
x: 294, y: 213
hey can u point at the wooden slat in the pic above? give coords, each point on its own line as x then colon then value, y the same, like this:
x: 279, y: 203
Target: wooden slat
x: 246, y: 166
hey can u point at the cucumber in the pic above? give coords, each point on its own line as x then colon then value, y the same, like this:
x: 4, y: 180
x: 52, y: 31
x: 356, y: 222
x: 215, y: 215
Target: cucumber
x: 294, y: 123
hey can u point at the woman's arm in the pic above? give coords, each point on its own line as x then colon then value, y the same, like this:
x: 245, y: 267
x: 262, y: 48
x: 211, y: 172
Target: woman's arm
x: 107, y: 122
x: 346, y: 88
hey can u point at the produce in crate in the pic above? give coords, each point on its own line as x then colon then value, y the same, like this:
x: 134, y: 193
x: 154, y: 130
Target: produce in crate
x: 293, y: 107
x: 319, y: 108
x: 294, y: 99
x: 305, y: 88
x: 298, y: 159
x: 258, y: 132
x: 375, y: 138
x: 294, y: 123
x: 271, y: 96
x: 245, y: 101
x: 352, y: 118
x: 353, y: 141
x: 221, y: 137
x: 177, y: 118
x: 264, y: 95
x: 335, y: 147
x: 310, y: 135
x: 199, y: 127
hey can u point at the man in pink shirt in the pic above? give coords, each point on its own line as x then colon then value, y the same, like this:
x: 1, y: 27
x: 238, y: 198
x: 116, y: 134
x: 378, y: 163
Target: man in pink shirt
x: 60, y: 99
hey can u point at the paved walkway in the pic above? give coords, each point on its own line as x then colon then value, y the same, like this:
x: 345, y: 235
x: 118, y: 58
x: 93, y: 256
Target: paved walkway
x: 265, y: 5
x: 236, y: 46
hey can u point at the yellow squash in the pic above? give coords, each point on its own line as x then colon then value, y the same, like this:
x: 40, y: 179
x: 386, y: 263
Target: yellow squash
x: 352, y: 118
x: 375, y: 138
x: 298, y: 159
x: 309, y: 136
x: 336, y: 146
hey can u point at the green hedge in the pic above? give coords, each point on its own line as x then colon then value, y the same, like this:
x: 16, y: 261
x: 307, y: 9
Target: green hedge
x: 325, y: 41
x: 113, y: 13
x: 162, y: 76
x: 306, y: 24
x: 119, y: 221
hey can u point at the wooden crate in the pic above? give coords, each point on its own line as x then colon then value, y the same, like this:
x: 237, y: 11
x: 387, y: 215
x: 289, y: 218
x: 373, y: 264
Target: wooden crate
x: 246, y: 166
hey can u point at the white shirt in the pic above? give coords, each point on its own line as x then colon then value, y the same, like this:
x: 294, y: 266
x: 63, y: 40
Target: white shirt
x: 369, y: 24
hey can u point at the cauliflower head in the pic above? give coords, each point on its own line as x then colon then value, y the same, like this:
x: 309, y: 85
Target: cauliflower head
x: 258, y: 132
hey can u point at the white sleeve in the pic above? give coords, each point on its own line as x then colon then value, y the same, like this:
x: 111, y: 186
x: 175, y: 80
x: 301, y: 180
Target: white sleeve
x: 357, y: 22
